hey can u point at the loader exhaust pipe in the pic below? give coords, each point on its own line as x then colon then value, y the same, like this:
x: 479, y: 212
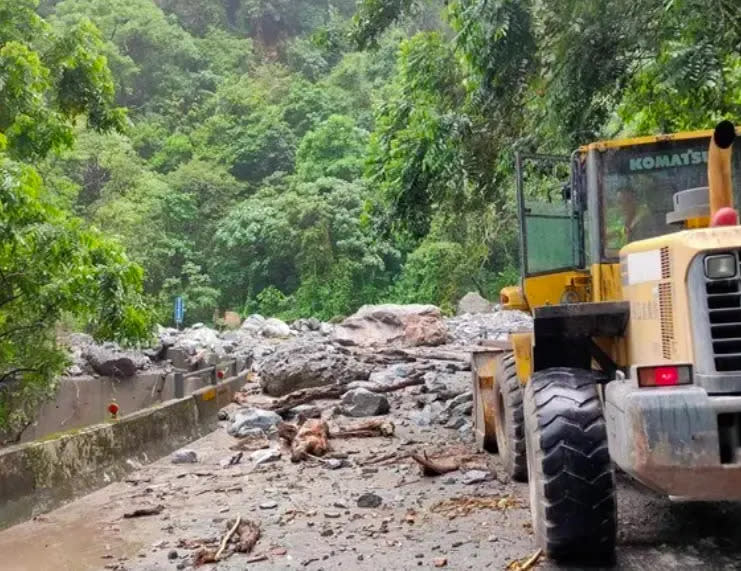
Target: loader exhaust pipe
x: 719, y: 175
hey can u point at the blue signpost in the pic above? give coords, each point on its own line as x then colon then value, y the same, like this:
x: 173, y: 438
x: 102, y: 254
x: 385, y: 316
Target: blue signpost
x: 179, y: 311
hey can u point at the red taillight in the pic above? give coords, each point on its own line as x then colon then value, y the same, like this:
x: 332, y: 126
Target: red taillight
x: 668, y: 376
x: 220, y: 374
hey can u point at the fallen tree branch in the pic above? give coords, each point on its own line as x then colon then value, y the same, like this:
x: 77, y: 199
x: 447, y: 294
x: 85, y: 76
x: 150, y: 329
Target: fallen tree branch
x: 436, y: 467
x: 227, y: 537
x: 304, y: 396
x: 142, y: 512
x: 367, y: 429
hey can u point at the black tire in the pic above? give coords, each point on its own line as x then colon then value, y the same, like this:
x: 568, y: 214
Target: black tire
x: 509, y: 419
x: 572, y: 482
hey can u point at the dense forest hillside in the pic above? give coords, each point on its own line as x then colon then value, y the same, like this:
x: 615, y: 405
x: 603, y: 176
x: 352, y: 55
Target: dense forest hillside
x: 283, y: 157
x: 303, y: 157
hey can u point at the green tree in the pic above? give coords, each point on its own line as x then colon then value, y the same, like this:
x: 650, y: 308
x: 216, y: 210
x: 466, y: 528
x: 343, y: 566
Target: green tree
x: 50, y: 264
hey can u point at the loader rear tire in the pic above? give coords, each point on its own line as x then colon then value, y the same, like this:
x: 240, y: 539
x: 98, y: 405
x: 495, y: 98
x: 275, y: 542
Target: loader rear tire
x: 572, y: 482
x: 509, y: 419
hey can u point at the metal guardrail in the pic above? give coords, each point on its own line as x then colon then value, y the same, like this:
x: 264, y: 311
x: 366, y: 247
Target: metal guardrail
x: 227, y: 368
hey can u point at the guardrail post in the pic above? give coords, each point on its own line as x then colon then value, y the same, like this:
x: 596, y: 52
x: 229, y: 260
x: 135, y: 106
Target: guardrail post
x: 179, y: 385
x: 214, y: 378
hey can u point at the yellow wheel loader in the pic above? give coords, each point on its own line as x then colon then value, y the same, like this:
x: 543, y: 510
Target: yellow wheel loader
x: 631, y: 259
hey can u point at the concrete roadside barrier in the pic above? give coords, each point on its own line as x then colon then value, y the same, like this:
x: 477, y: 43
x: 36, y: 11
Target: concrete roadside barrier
x: 39, y: 476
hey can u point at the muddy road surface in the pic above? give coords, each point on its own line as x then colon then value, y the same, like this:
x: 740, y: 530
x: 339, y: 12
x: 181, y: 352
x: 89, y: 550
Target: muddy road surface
x: 310, y: 515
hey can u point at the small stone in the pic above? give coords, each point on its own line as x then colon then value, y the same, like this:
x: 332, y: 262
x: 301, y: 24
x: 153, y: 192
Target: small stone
x: 332, y: 515
x: 172, y: 555
x: 369, y: 500
x: 440, y: 562
x: 184, y: 457
x: 492, y: 539
x: 222, y: 415
x: 335, y: 463
x: 326, y: 532
x: 270, y: 505
x: 419, y: 555
x: 361, y: 557
x: 340, y: 505
x: 476, y: 476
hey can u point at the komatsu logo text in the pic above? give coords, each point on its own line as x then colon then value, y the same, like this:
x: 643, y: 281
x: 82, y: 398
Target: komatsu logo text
x: 668, y: 161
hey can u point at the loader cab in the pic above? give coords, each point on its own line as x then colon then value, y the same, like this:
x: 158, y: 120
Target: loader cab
x: 577, y: 212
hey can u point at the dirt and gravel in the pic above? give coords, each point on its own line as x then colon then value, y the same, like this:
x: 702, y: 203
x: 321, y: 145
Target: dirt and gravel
x: 365, y: 503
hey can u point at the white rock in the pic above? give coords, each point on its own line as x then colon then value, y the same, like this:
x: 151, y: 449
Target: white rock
x: 264, y: 456
x: 275, y: 328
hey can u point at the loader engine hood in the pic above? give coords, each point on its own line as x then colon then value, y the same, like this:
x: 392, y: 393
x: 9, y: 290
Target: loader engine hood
x: 679, y: 313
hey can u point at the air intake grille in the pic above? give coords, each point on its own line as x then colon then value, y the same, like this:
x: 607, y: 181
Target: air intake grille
x: 724, y: 310
x: 666, y: 317
x: 666, y: 264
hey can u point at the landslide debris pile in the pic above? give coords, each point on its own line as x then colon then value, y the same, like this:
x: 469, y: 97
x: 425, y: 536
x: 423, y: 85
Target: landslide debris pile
x: 383, y: 359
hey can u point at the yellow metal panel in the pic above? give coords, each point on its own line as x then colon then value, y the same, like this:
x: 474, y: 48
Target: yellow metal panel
x: 549, y: 289
x: 644, y: 336
x: 606, y: 282
x: 601, y: 145
x: 522, y: 343
x: 511, y: 297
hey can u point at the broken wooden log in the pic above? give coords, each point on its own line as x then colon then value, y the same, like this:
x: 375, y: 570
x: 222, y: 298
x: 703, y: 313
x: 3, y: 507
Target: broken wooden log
x: 437, y: 466
x: 366, y: 429
x: 303, y: 396
x: 143, y: 512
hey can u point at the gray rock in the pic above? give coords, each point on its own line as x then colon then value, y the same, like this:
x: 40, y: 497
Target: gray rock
x: 456, y: 422
x: 303, y: 364
x: 326, y: 329
x: 362, y: 402
x: 406, y: 325
x: 74, y: 371
x: 269, y: 505
x: 476, y: 477
x: 253, y: 323
x: 447, y: 385
x: 390, y: 375
x: 259, y: 457
x: 184, y: 457
x: 433, y: 412
x: 222, y: 414
x: 306, y: 411
x: 472, y: 302
x: 461, y: 399
x: 369, y: 500
x: 275, y: 328
x: 463, y: 409
x: 247, y: 419
x: 469, y: 329
x: 113, y: 362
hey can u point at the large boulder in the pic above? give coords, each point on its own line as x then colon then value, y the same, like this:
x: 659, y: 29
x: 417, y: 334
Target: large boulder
x: 473, y: 302
x: 111, y: 361
x: 275, y: 328
x: 406, y: 325
x: 299, y: 365
x: 253, y: 323
x: 247, y: 420
x: 362, y: 402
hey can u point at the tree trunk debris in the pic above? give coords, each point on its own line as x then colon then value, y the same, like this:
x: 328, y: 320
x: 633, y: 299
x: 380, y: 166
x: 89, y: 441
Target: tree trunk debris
x: 143, y: 512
